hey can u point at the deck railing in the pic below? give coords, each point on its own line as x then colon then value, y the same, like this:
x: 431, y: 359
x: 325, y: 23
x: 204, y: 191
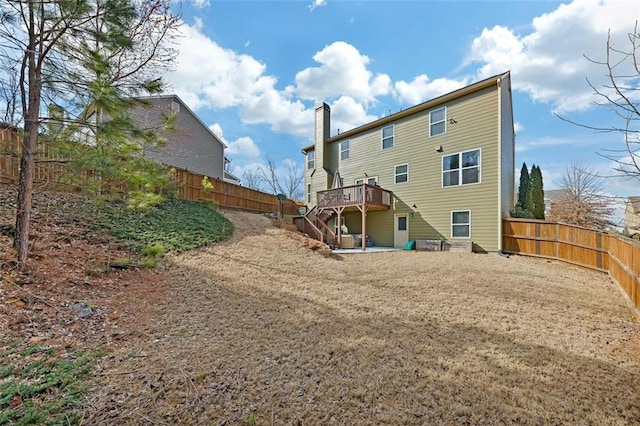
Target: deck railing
x: 353, y: 195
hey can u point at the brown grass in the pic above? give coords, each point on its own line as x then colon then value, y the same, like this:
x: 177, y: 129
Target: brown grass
x: 263, y: 330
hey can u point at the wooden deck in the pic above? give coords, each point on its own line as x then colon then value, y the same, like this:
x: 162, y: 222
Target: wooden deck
x: 361, y: 198
x: 349, y: 198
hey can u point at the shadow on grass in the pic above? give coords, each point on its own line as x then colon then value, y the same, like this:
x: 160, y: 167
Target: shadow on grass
x: 241, y: 354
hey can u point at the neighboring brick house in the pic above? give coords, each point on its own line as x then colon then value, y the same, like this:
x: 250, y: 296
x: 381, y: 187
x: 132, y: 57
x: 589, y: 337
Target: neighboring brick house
x: 191, y: 145
x: 632, y: 216
x: 442, y: 170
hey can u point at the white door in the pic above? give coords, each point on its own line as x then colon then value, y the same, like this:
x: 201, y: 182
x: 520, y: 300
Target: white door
x: 401, y: 230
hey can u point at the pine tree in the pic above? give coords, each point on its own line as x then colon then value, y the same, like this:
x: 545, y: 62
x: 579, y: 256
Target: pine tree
x: 523, y: 194
x: 48, y: 45
x: 523, y: 189
x: 536, y: 190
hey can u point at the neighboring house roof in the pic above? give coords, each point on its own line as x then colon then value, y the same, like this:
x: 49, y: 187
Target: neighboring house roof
x: 634, y: 204
x: 229, y: 177
x: 414, y: 109
x: 632, y: 215
x: 182, y: 104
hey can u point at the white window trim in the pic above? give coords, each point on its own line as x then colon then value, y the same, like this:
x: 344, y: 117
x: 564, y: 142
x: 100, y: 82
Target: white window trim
x: 348, y: 151
x: 312, y: 166
x: 392, y: 137
x: 443, y: 120
x: 460, y: 224
x: 309, y: 193
x: 395, y: 174
x: 459, y: 153
x: 366, y: 180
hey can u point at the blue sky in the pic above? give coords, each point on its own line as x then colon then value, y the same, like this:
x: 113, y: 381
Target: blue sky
x: 253, y: 70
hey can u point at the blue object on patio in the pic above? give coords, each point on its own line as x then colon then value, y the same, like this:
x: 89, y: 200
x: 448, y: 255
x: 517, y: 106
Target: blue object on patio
x: 410, y: 245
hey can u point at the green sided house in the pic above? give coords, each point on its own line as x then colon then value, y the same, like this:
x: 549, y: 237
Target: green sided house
x: 440, y: 173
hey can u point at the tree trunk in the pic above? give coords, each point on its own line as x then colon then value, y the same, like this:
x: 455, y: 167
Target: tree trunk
x: 25, y: 194
x: 30, y: 142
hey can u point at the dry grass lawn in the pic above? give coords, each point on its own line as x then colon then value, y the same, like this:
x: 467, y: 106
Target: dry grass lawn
x: 261, y: 330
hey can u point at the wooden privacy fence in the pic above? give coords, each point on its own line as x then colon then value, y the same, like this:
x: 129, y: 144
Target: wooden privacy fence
x: 589, y: 248
x: 230, y: 195
x: 53, y: 170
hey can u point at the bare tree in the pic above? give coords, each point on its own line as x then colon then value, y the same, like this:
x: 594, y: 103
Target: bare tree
x: 292, y: 181
x: 620, y: 96
x: 287, y: 180
x: 581, y: 200
x: 252, y: 179
x: 269, y: 175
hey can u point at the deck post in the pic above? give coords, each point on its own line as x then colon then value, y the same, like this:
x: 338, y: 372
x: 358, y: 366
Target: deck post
x: 339, y: 211
x: 363, y: 240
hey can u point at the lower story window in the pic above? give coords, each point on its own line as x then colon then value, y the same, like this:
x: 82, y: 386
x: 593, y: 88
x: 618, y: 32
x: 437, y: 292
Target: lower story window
x: 309, y: 193
x: 461, y: 224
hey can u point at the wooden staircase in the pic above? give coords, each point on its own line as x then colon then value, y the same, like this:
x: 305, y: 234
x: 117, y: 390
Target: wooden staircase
x: 315, y: 225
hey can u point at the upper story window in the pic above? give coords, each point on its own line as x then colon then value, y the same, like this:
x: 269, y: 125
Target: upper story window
x: 175, y: 106
x: 344, y: 150
x: 387, y: 137
x: 461, y: 168
x: 438, y: 121
x: 402, y: 173
x: 311, y: 160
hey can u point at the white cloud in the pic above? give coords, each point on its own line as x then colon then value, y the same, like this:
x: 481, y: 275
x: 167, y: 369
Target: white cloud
x: 279, y: 111
x: 317, y: 3
x: 549, y: 63
x: 556, y: 141
x: 244, y: 147
x: 422, y: 89
x: 346, y: 114
x: 217, y: 130
x: 342, y: 72
x: 208, y: 75
x: 201, y: 3
x: 518, y: 127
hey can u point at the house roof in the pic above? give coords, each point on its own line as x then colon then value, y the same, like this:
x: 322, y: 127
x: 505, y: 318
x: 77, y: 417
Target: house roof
x: 182, y: 104
x: 447, y: 97
x: 231, y: 176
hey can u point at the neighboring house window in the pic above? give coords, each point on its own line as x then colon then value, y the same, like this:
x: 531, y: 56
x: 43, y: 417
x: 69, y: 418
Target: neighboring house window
x: 387, y: 137
x: 461, y: 168
x: 309, y: 193
x: 344, y: 150
x: 461, y: 224
x: 175, y: 106
x: 368, y: 181
x: 311, y: 160
x: 402, y: 173
x: 437, y: 121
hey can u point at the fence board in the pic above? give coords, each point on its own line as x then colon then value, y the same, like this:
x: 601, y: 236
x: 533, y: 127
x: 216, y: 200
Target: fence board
x: 584, y: 247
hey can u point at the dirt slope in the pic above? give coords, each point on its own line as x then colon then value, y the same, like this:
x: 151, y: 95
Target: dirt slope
x: 262, y: 330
